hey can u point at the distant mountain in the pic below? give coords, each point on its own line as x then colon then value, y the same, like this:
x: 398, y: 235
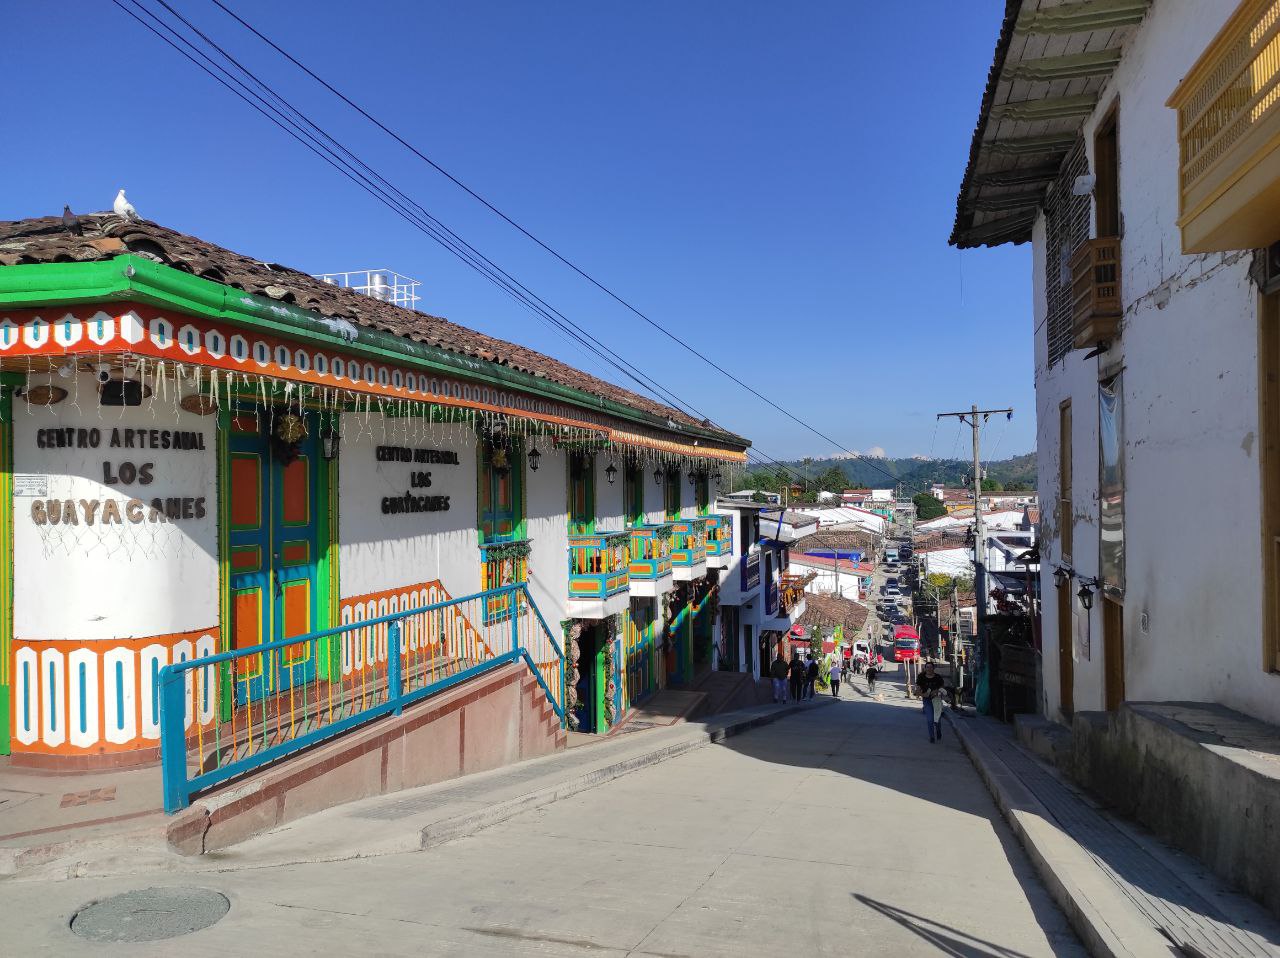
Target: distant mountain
x: 915, y: 473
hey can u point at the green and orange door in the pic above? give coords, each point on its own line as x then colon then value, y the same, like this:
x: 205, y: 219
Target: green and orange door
x: 277, y: 535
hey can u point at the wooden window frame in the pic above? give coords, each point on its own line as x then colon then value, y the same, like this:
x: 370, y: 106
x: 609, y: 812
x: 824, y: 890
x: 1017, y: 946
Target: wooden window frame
x: 1106, y: 171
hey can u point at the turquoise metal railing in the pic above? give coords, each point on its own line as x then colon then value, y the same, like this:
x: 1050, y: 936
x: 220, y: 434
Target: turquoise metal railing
x: 599, y: 564
x: 690, y: 542
x: 719, y: 535
x: 267, y: 701
x: 651, y: 551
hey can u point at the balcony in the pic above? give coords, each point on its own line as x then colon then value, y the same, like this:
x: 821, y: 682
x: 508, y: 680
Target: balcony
x: 502, y: 564
x: 689, y: 549
x: 651, y: 561
x: 1228, y: 128
x: 719, y: 541
x: 599, y: 574
x: 1095, y: 291
x: 791, y: 593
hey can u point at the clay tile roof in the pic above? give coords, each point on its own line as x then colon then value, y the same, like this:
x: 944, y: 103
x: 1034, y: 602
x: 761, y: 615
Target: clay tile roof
x: 44, y: 240
x: 831, y: 610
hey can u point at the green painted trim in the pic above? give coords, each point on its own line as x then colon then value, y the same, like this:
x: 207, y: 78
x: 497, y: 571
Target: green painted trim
x: 515, y: 452
x: 132, y: 278
x: 588, y: 527
x: 1081, y: 17
x: 1030, y: 145
x: 226, y: 698
x: 6, y: 558
x: 329, y: 666
x: 1050, y: 108
x: 1070, y: 67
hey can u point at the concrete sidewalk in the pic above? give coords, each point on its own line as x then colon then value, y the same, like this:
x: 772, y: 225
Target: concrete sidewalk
x: 1125, y: 893
x: 46, y: 815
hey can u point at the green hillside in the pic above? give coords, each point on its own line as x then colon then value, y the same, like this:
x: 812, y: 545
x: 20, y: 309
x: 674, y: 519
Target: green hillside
x: 832, y: 475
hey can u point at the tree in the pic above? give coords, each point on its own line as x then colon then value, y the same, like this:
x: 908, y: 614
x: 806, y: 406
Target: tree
x: 1016, y: 487
x: 928, y: 506
x: 832, y: 480
x: 992, y: 485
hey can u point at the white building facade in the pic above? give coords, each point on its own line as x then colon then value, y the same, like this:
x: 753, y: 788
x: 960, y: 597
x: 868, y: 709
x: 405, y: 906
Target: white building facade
x: 1153, y: 348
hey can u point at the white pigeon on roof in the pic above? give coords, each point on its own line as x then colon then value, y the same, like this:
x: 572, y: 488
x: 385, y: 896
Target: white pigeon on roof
x: 124, y: 209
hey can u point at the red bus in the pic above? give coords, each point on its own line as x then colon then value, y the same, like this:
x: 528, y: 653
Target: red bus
x: 906, y: 643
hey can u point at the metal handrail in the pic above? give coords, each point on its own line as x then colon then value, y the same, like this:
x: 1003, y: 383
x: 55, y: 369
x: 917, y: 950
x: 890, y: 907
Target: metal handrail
x: 175, y: 685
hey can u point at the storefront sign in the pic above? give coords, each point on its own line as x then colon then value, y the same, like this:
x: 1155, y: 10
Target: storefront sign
x: 74, y: 512
x: 418, y: 479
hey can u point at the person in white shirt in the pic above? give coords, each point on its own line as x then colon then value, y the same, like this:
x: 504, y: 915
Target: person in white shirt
x: 835, y: 677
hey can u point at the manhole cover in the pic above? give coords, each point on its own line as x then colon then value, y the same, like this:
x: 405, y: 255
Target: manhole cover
x: 150, y: 914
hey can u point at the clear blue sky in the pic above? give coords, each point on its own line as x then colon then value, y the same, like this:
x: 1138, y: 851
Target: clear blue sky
x: 775, y: 181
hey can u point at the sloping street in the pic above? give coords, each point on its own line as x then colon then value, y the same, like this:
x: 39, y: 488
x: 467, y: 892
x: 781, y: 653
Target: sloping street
x: 839, y: 830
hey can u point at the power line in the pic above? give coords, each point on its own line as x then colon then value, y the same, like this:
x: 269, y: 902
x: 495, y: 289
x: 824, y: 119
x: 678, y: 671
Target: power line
x: 553, y: 252
x: 372, y: 182
x: 381, y: 189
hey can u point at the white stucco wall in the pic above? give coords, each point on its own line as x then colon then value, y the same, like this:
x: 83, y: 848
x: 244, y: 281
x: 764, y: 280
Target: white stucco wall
x: 609, y: 516
x: 653, y: 508
x: 1188, y: 349
x: 379, y: 551
x: 548, y: 524
x: 110, y: 580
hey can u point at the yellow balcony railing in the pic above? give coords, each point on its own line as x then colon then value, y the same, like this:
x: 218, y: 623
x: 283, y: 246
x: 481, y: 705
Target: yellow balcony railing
x: 1229, y: 135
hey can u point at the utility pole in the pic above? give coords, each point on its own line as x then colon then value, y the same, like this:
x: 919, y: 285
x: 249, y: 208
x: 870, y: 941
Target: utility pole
x: 970, y: 418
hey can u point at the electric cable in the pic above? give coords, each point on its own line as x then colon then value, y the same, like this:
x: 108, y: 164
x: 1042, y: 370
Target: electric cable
x: 539, y: 242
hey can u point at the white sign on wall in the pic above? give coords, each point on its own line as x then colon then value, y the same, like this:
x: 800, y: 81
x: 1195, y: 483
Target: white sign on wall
x: 30, y: 484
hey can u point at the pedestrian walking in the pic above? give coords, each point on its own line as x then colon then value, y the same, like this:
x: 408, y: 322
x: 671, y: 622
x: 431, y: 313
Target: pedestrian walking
x: 872, y: 672
x: 778, y: 671
x: 810, y: 677
x: 929, y: 684
x: 835, y: 679
x: 797, y: 678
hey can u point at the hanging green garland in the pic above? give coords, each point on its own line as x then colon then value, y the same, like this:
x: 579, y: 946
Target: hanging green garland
x: 501, y: 551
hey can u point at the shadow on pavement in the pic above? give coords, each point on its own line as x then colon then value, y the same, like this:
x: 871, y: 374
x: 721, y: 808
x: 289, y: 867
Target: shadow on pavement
x: 948, y: 940
x: 885, y: 744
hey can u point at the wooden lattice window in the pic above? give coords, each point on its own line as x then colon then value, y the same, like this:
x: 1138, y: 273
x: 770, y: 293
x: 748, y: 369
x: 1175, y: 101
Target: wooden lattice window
x: 1066, y: 227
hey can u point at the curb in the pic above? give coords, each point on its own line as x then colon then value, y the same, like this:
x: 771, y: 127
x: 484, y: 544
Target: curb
x: 1108, y: 924
x: 446, y: 830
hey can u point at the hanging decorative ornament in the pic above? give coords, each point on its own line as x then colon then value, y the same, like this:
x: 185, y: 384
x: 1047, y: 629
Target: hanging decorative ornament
x: 45, y: 395
x: 287, y: 432
x: 198, y: 404
x: 499, y: 459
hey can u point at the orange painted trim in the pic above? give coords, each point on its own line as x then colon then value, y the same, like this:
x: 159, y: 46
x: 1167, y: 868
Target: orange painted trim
x: 146, y: 331
x: 64, y: 705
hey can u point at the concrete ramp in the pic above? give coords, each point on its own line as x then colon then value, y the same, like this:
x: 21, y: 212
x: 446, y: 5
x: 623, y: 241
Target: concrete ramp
x: 494, y: 720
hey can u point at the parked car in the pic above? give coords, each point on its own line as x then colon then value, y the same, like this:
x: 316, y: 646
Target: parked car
x: 861, y: 651
x: 887, y: 589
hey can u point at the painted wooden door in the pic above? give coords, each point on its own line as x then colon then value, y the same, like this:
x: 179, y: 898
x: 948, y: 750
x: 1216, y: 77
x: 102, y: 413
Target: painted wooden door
x: 274, y: 539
